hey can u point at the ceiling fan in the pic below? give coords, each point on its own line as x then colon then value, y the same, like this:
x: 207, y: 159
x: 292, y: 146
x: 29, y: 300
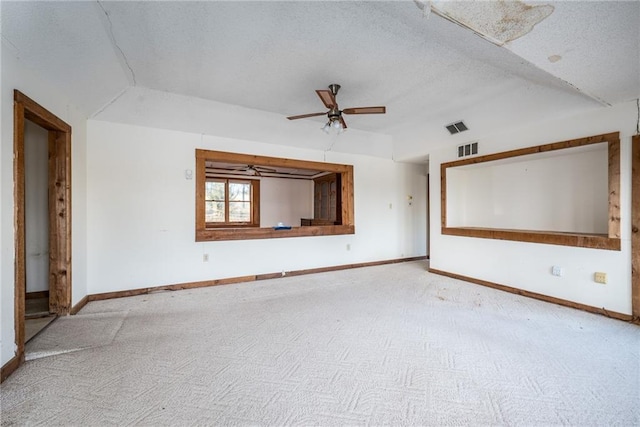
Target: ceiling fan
x: 254, y: 170
x: 336, y: 121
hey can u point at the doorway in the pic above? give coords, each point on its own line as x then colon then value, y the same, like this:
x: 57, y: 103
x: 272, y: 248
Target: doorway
x: 57, y: 136
x: 37, y: 315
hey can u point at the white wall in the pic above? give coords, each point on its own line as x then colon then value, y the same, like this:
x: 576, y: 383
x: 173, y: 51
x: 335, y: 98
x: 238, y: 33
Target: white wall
x: 16, y: 76
x: 140, y: 237
x: 565, y: 191
x: 528, y: 265
x: 36, y: 155
x: 285, y: 200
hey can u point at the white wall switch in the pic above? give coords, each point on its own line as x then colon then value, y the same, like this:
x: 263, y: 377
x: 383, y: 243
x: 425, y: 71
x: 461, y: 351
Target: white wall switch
x: 600, y: 277
x: 556, y: 271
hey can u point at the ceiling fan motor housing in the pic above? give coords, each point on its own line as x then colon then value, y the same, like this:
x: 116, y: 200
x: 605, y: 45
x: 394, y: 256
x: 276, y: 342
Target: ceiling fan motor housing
x: 334, y: 114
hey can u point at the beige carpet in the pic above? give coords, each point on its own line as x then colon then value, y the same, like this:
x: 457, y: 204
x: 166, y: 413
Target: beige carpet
x: 387, y: 345
x: 33, y: 326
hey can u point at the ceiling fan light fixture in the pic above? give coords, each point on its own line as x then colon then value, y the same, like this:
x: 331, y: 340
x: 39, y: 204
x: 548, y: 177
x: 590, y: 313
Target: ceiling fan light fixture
x: 328, y: 98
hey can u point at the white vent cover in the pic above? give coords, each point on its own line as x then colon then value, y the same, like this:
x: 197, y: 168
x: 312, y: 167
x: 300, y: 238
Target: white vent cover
x: 468, y: 149
x: 456, y: 127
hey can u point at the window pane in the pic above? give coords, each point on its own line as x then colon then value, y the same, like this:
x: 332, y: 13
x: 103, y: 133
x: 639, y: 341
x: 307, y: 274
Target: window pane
x: 240, y: 191
x: 214, y: 212
x: 239, y: 212
x: 214, y: 190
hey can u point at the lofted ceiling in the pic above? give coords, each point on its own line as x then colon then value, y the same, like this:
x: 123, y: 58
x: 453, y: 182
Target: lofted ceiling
x: 493, y: 64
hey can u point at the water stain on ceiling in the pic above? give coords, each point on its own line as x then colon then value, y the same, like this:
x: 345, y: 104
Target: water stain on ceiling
x: 497, y: 21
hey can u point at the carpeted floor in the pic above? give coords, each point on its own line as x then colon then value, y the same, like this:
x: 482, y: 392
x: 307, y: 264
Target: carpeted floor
x: 386, y: 345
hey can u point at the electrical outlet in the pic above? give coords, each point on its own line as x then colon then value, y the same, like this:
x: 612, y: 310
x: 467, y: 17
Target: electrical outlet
x: 205, y: 257
x: 556, y: 271
x: 600, y: 277
x: 348, y: 246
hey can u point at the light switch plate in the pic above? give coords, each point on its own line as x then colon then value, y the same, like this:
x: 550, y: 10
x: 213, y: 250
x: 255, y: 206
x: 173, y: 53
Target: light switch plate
x: 600, y: 277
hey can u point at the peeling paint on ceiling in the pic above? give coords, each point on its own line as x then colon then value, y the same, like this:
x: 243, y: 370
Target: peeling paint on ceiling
x: 497, y: 21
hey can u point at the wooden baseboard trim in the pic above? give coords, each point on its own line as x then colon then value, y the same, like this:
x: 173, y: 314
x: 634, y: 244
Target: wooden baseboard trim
x: 176, y: 287
x: 535, y: 295
x: 10, y: 367
x: 346, y: 267
x: 38, y: 294
x: 76, y: 308
x: 240, y: 279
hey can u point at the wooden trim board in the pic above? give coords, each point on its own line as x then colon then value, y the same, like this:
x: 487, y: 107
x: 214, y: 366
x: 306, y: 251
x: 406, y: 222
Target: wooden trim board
x: 635, y: 227
x: 10, y: 367
x: 535, y: 295
x: 20, y: 281
x: 36, y: 295
x: 76, y: 308
x: 39, y: 115
x: 550, y: 238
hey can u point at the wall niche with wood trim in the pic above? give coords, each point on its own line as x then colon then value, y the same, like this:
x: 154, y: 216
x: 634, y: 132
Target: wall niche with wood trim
x: 565, y: 193
x: 234, y: 168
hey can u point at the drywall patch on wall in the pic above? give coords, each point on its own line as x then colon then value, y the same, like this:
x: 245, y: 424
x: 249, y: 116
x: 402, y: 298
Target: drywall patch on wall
x: 499, y: 22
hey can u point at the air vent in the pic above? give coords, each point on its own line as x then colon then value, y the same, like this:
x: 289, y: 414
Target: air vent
x: 468, y: 149
x: 457, y: 127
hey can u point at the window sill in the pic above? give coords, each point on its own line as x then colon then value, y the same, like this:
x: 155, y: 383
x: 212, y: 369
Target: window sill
x: 212, y: 226
x: 212, y: 234
x: 582, y: 240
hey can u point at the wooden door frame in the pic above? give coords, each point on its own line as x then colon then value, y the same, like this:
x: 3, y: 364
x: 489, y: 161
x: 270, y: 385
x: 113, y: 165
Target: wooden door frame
x: 635, y: 227
x: 59, y: 194
x: 428, y: 217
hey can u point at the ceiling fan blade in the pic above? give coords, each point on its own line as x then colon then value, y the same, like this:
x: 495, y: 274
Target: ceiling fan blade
x: 344, y: 124
x: 264, y: 169
x: 365, y: 110
x: 327, y: 98
x: 304, y: 116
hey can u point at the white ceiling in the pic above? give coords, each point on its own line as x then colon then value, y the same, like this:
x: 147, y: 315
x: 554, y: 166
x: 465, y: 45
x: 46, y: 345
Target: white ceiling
x: 272, y: 55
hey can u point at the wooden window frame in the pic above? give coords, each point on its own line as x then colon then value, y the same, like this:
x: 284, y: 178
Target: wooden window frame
x: 205, y: 233
x: 610, y: 241
x: 254, y: 200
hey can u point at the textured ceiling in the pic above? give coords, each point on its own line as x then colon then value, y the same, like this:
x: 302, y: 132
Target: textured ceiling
x: 428, y: 69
